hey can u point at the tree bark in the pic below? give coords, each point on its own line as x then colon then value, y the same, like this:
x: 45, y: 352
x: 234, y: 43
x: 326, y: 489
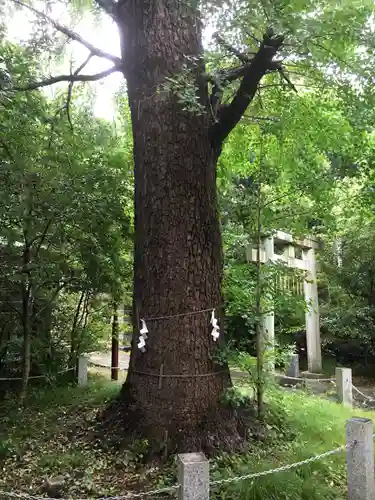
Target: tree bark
x: 173, y: 389
x: 177, y: 264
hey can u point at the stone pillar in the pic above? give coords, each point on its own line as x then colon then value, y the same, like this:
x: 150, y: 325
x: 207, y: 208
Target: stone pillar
x: 344, y: 386
x: 268, y: 319
x: 314, y: 355
x: 289, y: 255
x: 82, y: 371
x: 360, y: 459
x: 193, y: 477
x: 293, y: 368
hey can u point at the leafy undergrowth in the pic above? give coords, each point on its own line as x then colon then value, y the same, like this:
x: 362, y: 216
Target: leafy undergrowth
x: 51, y: 437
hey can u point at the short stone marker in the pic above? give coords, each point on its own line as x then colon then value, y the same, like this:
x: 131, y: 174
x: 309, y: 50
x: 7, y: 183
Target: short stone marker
x: 82, y: 371
x: 193, y: 476
x: 293, y: 368
x: 344, y: 386
x: 360, y: 459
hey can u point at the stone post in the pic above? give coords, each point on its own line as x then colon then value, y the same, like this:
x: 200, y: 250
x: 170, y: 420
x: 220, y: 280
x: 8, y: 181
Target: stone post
x: 344, y: 386
x: 360, y: 459
x: 193, y: 477
x: 314, y: 356
x: 268, y: 319
x: 82, y: 371
x: 293, y: 368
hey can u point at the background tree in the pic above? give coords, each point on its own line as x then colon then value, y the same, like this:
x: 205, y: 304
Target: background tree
x: 307, y: 179
x: 65, y: 215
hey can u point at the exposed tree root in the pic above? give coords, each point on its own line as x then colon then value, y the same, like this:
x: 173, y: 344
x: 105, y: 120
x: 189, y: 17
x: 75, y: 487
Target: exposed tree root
x: 225, y: 429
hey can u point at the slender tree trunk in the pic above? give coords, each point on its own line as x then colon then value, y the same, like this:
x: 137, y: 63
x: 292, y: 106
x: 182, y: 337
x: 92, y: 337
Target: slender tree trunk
x: 26, y: 348
x: 115, y: 343
x: 73, y: 336
x: 178, y: 263
x: 5, y: 334
x: 86, y: 310
x: 26, y: 326
x: 258, y: 310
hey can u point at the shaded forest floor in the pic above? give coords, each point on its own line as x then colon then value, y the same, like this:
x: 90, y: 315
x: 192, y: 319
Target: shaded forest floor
x: 53, y: 436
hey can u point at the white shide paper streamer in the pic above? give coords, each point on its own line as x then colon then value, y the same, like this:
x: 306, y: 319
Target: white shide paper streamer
x: 215, y: 327
x: 143, y: 336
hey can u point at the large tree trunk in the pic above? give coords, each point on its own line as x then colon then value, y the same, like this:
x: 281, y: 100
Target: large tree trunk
x: 178, y: 264
x: 173, y: 389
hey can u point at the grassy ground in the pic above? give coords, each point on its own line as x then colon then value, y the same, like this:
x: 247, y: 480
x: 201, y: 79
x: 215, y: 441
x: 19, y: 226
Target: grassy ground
x: 51, y: 436
x: 299, y: 426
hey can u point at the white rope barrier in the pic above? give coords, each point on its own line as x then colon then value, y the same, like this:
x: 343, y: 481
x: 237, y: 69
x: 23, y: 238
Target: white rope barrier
x: 283, y: 468
x: 108, y: 367
x: 281, y: 375
x: 32, y: 377
x: 180, y: 315
x: 368, y: 398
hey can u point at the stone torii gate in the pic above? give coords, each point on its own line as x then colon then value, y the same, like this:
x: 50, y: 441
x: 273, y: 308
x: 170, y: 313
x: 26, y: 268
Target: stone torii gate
x: 308, y: 264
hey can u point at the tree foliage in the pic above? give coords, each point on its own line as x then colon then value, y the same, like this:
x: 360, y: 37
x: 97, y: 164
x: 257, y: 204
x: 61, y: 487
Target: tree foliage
x: 66, y: 219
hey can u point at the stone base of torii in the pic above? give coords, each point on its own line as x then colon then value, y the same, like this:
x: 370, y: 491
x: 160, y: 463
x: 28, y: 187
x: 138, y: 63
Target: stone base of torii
x: 307, y: 264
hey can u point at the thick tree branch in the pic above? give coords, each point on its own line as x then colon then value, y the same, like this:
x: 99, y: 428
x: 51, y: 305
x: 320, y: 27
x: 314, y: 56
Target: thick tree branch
x: 232, y: 50
x: 261, y: 64
x: 219, y: 81
x: 234, y: 73
x: 68, y: 78
x: 228, y: 75
x: 108, y: 6
x: 71, y: 34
